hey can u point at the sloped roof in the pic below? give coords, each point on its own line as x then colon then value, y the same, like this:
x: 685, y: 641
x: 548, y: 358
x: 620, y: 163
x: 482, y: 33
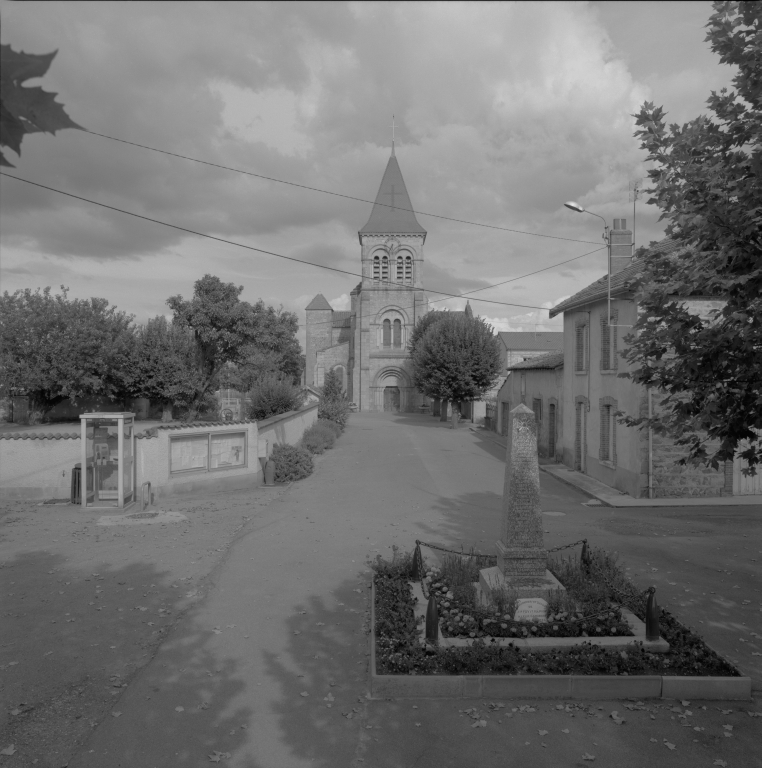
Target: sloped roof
x: 392, y: 212
x: 549, y: 361
x: 342, y: 319
x: 529, y: 340
x: 621, y: 282
x: 319, y: 302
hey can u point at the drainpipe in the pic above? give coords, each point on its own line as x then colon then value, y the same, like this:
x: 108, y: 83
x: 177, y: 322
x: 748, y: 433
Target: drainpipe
x: 650, y: 451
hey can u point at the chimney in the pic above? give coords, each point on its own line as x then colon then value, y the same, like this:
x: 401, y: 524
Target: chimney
x: 621, y: 246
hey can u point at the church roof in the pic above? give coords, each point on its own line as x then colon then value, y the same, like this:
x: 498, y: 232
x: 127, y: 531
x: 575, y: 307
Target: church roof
x: 319, y: 302
x: 392, y: 212
x: 342, y: 319
x: 549, y: 361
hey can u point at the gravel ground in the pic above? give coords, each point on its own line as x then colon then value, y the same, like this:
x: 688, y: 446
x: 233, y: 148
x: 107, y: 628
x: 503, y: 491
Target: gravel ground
x: 84, y: 606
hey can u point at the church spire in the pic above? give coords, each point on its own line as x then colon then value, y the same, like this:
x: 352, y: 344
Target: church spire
x: 392, y: 212
x: 393, y: 155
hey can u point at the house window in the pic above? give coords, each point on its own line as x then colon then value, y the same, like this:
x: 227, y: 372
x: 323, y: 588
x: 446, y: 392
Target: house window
x: 376, y: 268
x: 384, y: 267
x: 581, y: 347
x: 537, y: 408
x: 408, y: 269
x: 608, y: 341
x: 607, y: 450
x: 387, y: 325
x: 397, y: 333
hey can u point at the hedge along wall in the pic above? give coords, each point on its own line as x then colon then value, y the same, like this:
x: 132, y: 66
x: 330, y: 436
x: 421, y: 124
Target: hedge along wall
x: 39, y: 465
x: 288, y: 427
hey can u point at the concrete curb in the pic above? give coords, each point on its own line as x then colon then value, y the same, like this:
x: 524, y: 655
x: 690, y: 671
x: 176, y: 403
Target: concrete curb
x: 589, y: 687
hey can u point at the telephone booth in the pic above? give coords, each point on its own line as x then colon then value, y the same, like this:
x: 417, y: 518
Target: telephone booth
x: 108, y: 460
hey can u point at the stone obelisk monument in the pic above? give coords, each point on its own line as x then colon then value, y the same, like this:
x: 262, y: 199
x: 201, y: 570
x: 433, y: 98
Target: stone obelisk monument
x: 521, y: 556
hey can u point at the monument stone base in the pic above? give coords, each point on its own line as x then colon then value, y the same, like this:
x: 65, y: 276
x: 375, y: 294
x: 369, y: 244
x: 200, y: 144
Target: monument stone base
x: 490, y: 578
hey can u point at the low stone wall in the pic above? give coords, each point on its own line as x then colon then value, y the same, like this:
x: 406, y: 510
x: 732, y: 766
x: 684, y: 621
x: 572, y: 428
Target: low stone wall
x: 37, y: 465
x: 288, y: 427
x: 672, y: 480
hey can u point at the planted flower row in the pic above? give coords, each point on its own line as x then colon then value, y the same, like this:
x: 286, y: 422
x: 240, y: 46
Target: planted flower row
x: 398, y: 650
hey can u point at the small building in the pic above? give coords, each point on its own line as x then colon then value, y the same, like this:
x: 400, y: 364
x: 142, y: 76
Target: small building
x: 538, y: 384
x: 518, y: 346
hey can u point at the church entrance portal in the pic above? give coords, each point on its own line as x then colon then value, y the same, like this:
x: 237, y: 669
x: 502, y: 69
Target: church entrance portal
x: 391, y: 398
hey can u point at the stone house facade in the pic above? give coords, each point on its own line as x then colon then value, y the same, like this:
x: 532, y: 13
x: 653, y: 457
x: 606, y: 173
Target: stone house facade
x: 632, y: 460
x: 368, y: 344
x: 538, y: 384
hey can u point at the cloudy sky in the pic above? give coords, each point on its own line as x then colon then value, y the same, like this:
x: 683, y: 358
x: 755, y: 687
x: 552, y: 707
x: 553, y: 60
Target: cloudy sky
x: 503, y: 112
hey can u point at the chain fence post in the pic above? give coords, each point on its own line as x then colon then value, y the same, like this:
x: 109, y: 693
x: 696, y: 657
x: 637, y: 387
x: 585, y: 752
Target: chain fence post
x: 585, y: 557
x: 417, y: 574
x: 652, y: 616
x: 432, y: 621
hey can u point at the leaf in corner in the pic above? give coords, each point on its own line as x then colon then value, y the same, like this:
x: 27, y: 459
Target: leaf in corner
x: 19, y: 66
x: 10, y: 750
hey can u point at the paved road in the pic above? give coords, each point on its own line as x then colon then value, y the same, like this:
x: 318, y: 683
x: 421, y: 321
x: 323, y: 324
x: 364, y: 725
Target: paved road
x: 248, y: 672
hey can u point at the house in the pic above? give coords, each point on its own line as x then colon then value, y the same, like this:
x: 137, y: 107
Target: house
x: 517, y: 346
x: 538, y: 384
x: 634, y: 461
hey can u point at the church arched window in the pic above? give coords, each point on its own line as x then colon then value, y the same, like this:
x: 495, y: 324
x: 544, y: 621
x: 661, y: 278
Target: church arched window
x: 384, y: 267
x: 397, y: 333
x: 408, y: 270
x: 376, y: 268
x: 400, y: 270
x: 387, y: 333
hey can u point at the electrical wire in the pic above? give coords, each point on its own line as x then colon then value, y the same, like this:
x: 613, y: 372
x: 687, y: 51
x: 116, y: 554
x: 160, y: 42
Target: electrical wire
x: 328, y: 192
x: 240, y: 245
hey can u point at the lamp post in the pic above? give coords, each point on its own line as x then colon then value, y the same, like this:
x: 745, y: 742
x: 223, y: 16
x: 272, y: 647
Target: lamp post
x: 577, y: 208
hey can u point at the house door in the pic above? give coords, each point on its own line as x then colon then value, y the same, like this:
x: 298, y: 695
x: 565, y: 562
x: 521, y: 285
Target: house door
x: 552, y: 432
x: 505, y: 414
x: 580, y: 462
x: 391, y: 398
x: 745, y: 485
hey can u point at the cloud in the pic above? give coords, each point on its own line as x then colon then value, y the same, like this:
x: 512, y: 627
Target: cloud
x: 503, y: 111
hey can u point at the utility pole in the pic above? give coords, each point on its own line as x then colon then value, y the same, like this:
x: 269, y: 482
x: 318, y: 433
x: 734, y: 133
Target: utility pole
x: 635, y: 193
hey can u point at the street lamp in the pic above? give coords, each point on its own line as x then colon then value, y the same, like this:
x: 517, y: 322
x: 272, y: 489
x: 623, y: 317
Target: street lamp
x: 577, y: 208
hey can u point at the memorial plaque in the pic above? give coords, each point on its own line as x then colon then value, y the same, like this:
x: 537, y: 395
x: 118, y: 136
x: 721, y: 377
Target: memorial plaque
x: 531, y: 608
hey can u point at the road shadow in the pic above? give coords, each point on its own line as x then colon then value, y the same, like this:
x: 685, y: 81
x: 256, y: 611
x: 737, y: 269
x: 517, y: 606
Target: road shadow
x: 67, y: 666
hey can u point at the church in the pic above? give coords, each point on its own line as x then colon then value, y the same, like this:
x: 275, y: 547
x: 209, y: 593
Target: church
x: 367, y: 345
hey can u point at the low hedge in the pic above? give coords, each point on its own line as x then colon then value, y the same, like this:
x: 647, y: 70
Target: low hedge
x: 398, y: 651
x: 318, y: 437
x: 292, y: 462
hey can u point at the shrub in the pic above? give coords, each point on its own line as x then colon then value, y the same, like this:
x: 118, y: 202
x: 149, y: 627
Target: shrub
x: 332, y: 425
x: 272, y: 396
x: 332, y: 386
x: 292, y: 462
x: 318, y: 437
x: 336, y: 411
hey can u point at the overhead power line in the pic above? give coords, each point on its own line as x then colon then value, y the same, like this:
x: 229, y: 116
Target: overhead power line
x: 238, y: 245
x: 335, y: 194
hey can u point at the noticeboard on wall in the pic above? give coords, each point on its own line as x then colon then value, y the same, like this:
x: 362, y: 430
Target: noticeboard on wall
x: 209, y: 451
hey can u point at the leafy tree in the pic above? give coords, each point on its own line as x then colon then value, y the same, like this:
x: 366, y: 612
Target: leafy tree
x: 163, y: 365
x: 420, y: 328
x: 274, y: 395
x: 54, y: 348
x: 707, y: 180
x: 244, y: 343
x: 22, y: 109
x: 457, y: 358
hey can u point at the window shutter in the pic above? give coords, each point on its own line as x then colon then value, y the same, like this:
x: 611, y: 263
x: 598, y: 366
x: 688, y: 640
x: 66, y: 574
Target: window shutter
x: 605, y: 343
x: 579, y: 364
x: 604, y: 451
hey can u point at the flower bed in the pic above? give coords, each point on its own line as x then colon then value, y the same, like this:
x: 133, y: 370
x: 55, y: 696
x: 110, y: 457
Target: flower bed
x: 399, y: 652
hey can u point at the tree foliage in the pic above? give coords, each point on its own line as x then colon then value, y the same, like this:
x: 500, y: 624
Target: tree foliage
x: 55, y: 348
x: 456, y: 358
x: 163, y: 367
x: 332, y: 389
x: 23, y: 109
x: 707, y: 180
x: 420, y: 328
x: 247, y: 342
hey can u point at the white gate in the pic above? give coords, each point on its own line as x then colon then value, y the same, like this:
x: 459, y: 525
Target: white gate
x: 745, y: 485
